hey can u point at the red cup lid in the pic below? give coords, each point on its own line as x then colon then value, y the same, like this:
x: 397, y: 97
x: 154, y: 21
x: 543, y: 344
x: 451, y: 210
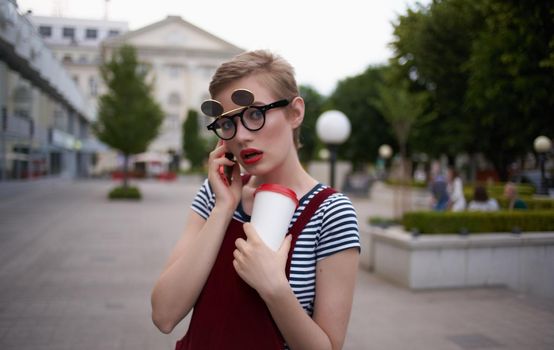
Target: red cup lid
x: 279, y: 189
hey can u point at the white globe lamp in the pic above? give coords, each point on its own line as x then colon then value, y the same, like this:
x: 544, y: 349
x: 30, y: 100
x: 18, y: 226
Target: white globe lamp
x: 333, y: 128
x: 542, y: 145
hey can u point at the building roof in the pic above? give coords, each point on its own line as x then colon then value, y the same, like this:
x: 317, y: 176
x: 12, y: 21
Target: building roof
x: 187, y: 26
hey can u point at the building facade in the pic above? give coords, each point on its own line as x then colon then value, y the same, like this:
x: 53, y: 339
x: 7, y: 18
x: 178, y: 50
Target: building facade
x: 182, y: 59
x: 180, y: 56
x: 44, y: 119
x: 76, y: 43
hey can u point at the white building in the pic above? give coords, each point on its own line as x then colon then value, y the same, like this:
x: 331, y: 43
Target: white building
x: 77, y: 44
x: 182, y: 59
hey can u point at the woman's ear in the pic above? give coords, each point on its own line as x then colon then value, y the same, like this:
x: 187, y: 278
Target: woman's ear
x: 296, y: 115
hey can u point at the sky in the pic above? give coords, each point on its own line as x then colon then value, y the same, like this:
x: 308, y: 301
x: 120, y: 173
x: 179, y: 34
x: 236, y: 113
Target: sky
x: 326, y: 41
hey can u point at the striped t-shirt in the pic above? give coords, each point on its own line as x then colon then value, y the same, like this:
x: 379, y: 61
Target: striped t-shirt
x: 333, y: 228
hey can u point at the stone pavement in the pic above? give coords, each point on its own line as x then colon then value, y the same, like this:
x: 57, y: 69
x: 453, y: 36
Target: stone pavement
x: 76, y: 271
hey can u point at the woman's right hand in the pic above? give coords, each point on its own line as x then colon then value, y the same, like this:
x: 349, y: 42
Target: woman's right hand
x: 227, y: 196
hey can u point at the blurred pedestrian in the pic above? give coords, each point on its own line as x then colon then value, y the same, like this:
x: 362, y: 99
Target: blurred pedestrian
x: 510, y: 193
x: 457, y: 200
x: 438, y: 188
x: 481, y: 200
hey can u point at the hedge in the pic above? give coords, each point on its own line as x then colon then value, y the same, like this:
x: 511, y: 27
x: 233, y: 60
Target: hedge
x: 130, y: 192
x: 476, y: 222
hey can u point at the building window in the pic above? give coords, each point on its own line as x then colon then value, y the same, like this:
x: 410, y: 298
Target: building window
x: 21, y: 112
x: 22, y: 94
x: 45, y: 31
x: 59, y: 119
x: 113, y: 32
x: 83, y: 59
x: 67, y: 58
x: 83, y: 129
x: 174, y: 70
x: 68, y: 32
x: 143, y: 68
x: 174, y: 99
x: 71, y: 123
x: 91, y: 33
x: 93, y: 86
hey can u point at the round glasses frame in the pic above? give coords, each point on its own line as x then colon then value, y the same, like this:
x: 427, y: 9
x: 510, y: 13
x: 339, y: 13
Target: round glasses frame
x: 216, y: 125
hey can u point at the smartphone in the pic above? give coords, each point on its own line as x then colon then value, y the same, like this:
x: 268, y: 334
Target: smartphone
x: 228, y: 170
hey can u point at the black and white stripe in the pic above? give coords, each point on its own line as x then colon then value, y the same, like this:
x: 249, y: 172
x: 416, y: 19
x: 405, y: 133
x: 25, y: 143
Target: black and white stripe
x: 332, y: 228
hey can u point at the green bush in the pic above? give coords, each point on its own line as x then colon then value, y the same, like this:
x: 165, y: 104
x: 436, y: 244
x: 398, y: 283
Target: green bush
x: 383, y: 222
x: 476, y: 222
x: 120, y: 192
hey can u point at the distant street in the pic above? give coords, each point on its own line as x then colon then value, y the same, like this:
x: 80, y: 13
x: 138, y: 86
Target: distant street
x: 76, y: 271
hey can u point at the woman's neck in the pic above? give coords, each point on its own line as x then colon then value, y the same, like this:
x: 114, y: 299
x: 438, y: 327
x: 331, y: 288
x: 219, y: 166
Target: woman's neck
x: 290, y: 174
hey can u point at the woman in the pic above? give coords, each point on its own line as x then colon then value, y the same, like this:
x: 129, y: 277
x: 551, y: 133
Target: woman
x: 481, y: 200
x: 457, y: 201
x: 244, y: 294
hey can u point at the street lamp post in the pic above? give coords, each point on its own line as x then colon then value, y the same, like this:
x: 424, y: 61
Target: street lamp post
x: 542, y: 145
x: 333, y: 128
x: 385, y: 152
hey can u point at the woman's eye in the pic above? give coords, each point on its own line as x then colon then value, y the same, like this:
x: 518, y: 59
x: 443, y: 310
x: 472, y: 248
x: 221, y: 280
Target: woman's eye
x: 226, y: 124
x: 254, y: 114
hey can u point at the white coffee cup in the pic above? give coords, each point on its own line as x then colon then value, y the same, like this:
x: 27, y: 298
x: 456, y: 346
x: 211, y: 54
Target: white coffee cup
x: 274, y: 206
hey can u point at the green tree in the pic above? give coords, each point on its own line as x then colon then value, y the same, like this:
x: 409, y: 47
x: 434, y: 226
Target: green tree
x: 511, y: 80
x: 354, y: 97
x: 128, y: 117
x: 488, y: 66
x: 308, y: 138
x: 432, y: 45
x: 194, y: 145
x: 402, y: 109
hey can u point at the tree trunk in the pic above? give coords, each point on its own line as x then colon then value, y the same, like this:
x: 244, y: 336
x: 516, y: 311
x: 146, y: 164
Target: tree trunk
x: 405, y: 188
x: 472, y: 176
x: 125, y: 170
x: 501, y: 167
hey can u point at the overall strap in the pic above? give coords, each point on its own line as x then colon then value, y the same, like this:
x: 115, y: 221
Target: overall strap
x: 304, y: 218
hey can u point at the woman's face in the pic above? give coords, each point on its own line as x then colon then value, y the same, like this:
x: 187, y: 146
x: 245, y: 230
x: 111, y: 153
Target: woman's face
x: 260, y: 152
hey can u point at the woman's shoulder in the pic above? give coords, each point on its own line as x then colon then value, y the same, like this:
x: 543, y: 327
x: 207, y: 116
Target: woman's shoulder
x: 338, y: 225
x: 334, y: 198
x: 335, y: 205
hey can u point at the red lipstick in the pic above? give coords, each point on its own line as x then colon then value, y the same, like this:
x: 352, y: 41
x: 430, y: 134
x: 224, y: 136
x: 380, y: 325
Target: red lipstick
x: 251, y: 155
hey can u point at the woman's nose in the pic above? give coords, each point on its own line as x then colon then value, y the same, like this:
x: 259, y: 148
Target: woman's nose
x: 243, y: 134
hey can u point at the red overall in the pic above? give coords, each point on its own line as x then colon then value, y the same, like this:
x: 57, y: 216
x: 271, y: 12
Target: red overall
x: 229, y: 314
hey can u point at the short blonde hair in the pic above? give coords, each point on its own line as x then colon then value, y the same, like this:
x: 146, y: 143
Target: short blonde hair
x: 276, y: 73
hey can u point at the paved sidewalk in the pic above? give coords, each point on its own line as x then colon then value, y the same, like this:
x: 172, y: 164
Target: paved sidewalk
x: 76, y: 272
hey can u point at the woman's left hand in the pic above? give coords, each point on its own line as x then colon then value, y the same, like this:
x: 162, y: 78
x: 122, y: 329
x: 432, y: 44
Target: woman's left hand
x: 258, y: 265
